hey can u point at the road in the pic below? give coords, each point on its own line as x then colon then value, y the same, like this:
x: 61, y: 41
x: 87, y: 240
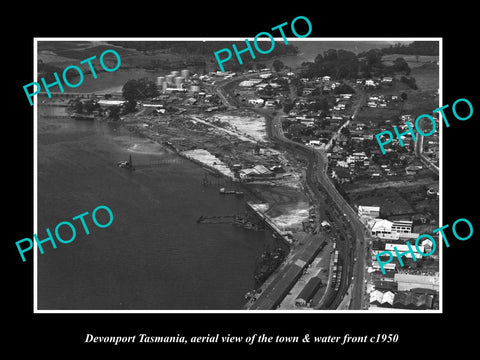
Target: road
x: 419, y: 153
x: 352, y: 248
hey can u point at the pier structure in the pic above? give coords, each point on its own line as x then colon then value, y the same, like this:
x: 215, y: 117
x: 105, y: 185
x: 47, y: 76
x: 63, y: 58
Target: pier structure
x: 257, y: 209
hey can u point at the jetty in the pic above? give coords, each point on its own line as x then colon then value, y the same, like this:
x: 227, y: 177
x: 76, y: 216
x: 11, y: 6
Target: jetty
x: 244, y: 220
x: 257, y: 210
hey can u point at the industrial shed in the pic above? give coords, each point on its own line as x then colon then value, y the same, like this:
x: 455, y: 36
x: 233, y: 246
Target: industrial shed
x: 308, y: 291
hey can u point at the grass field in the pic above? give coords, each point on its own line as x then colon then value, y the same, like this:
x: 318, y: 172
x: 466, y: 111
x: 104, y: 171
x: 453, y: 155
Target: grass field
x: 427, y: 77
x: 410, y: 59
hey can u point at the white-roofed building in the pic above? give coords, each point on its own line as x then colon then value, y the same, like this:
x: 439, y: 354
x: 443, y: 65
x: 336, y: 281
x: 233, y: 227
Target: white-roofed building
x: 381, y: 226
x: 403, y: 248
x: 402, y: 226
x: 368, y: 211
x: 388, y: 298
x: 428, y: 245
x: 381, y: 299
x: 256, y: 171
x: 376, y: 265
x: 408, y: 281
x: 376, y: 297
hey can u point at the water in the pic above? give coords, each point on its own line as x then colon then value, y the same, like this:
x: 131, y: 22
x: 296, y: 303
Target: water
x: 154, y: 255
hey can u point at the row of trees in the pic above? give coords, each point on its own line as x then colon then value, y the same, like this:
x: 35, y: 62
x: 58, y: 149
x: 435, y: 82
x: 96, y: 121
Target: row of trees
x: 343, y: 64
x: 340, y: 64
x: 371, y: 64
x: 414, y: 48
x: 133, y: 91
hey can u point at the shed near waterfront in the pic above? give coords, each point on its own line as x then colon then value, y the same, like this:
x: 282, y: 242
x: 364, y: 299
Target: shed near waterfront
x: 308, y: 291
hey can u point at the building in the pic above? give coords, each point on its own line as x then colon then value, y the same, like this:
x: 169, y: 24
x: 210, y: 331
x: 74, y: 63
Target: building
x: 314, y: 143
x: 402, y: 226
x: 407, y: 282
x: 376, y: 266
x: 380, y: 227
x: 256, y: 101
x: 382, y: 299
x: 403, y: 248
x: 257, y: 171
x: 385, y: 285
x: 391, y: 230
x: 413, y: 301
x: 308, y: 291
x: 369, y: 211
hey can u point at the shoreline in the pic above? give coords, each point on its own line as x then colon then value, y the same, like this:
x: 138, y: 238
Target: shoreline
x: 253, y: 192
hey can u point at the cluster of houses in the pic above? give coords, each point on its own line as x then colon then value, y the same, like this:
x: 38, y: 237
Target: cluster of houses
x: 324, y: 84
x: 415, y: 299
x: 381, y: 101
x: 318, y: 126
x: 265, y: 90
x: 407, y: 287
x: 374, y: 83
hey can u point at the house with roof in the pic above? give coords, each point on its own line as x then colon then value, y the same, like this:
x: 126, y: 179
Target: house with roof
x: 385, y: 285
x: 391, y: 266
x: 381, y: 299
x: 380, y: 226
x: 413, y: 301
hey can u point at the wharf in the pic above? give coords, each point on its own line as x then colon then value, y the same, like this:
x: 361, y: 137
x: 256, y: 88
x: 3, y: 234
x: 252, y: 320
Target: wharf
x: 269, y: 223
x: 286, y: 277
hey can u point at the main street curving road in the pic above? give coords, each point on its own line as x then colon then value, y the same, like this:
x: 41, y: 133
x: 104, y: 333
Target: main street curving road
x: 352, y: 248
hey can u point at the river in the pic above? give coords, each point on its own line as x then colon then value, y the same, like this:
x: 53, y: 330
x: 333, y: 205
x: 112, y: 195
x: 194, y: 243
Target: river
x: 154, y: 256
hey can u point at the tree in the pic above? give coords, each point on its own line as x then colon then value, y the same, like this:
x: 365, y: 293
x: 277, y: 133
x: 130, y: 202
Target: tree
x: 114, y: 113
x: 77, y: 106
x: 330, y: 55
x: 319, y: 58
x: 401, y: 65
x: 130, y: 106
x: 89, y: 106
x: 410, y: 82
x: 287, y: 106
x: 139, y: 89
x: 277, y: 65
x: 374, y: 57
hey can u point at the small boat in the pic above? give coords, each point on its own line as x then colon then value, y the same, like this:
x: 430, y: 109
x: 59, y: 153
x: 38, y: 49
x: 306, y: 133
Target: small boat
x: 126, y: 164
x: 234, y: 192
